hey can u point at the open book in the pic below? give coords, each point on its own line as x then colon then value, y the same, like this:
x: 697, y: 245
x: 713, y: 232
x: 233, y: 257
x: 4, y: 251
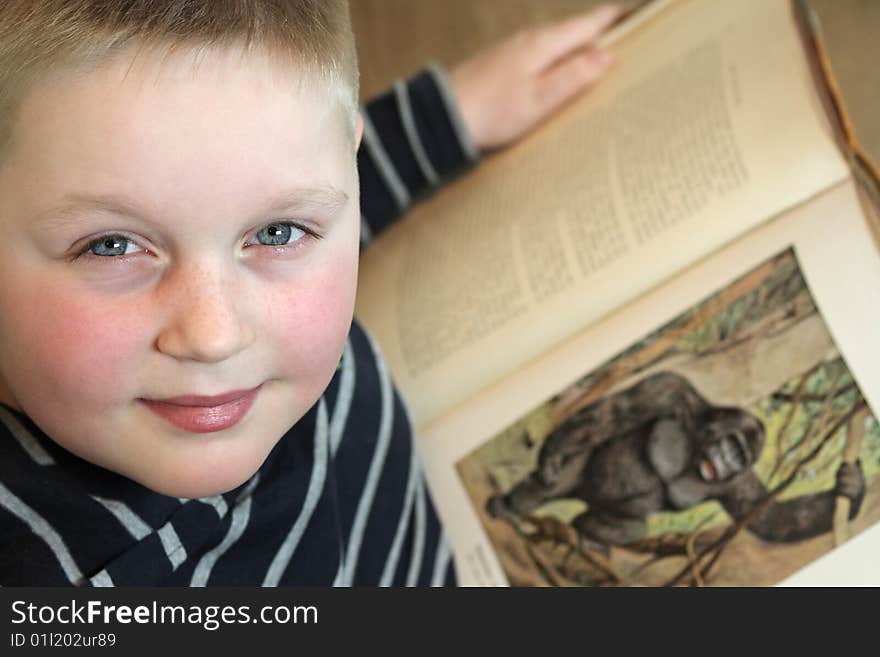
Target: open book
x: 641, y: 346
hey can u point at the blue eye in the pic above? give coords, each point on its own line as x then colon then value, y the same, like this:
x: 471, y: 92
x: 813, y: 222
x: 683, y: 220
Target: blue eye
x: 112, y: 245
x: 279, y: 234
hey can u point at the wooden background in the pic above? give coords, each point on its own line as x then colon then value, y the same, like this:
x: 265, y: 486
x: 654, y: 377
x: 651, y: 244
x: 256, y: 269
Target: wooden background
x: 396, y: 37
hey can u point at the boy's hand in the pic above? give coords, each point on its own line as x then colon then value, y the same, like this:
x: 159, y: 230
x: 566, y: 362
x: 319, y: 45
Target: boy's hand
x: 506, y: 90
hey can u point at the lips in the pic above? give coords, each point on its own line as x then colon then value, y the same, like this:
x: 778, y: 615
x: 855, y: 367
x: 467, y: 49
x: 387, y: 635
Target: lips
x: 201, y: 414
x: 707, y: 470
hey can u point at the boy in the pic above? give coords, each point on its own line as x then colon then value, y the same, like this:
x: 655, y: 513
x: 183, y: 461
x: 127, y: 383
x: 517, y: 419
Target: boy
x: 179, y: 201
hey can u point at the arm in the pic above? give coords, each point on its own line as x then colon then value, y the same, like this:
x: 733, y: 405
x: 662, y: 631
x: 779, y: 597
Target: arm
x: 433, y: 126
x: 414, y: 139
x: 799, y: 518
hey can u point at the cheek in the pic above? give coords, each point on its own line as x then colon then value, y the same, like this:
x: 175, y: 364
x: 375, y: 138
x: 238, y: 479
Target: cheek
x: 309, y: 327
x: 72, y: 347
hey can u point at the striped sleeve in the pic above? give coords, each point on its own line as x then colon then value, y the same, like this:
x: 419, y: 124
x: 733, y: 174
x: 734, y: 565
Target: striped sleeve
x: 414, y: 139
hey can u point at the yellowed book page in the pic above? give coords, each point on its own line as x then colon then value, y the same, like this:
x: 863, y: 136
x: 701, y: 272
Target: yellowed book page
x: 707, y: 125
x: 833, y: 319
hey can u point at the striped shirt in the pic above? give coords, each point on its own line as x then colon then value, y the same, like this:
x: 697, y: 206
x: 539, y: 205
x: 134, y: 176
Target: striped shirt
x: 414, y: 140
x: 340, y: 500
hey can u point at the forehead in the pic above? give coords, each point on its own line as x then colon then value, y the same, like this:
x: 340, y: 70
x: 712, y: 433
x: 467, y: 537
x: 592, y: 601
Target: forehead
x: 211, y: 122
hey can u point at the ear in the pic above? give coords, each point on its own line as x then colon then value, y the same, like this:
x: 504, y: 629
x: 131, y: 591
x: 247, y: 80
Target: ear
x: 358, y: 131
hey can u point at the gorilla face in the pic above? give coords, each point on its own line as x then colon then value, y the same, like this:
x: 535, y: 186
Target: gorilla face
x: 731, y: 444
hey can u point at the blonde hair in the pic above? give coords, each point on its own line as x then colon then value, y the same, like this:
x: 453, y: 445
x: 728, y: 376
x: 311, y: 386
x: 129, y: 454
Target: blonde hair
x: 41, y: 36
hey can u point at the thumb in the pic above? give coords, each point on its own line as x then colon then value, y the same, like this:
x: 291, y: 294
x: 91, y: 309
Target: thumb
x: 570, y: 77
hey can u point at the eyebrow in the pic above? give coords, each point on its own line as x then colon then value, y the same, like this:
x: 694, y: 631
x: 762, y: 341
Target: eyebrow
x: 321, y: 198
x: 324, y: 197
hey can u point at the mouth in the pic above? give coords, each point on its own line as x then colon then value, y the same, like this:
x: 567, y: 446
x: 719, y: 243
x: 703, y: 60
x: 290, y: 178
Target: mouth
x: 725, y: 458
x: 707, y: 470
x: 204, y: 414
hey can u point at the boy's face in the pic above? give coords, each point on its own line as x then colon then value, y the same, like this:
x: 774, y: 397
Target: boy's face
x: 159, y: 247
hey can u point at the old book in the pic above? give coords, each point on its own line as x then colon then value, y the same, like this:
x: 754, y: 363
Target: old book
x: 640, y: 347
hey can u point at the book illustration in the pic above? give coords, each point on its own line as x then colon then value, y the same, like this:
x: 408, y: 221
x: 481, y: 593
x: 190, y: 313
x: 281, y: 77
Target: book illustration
x: 730, y: 447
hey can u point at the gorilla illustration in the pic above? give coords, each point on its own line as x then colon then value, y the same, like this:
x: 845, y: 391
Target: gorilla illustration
x: 659, y: 446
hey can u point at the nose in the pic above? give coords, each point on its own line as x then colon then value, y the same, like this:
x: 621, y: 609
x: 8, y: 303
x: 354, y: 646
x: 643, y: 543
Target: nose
x: 204, y: 322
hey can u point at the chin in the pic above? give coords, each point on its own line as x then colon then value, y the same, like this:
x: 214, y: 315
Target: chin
x: 199, y: 477
x: 210, y: 464
x: 212, y: 483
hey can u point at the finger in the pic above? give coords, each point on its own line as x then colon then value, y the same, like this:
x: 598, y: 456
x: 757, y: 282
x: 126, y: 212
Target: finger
x: 564, y: 81
x: 559, y: 39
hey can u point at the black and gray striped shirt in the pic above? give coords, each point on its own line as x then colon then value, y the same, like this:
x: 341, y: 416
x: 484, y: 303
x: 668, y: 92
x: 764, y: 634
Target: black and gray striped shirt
x: 340, y: 500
